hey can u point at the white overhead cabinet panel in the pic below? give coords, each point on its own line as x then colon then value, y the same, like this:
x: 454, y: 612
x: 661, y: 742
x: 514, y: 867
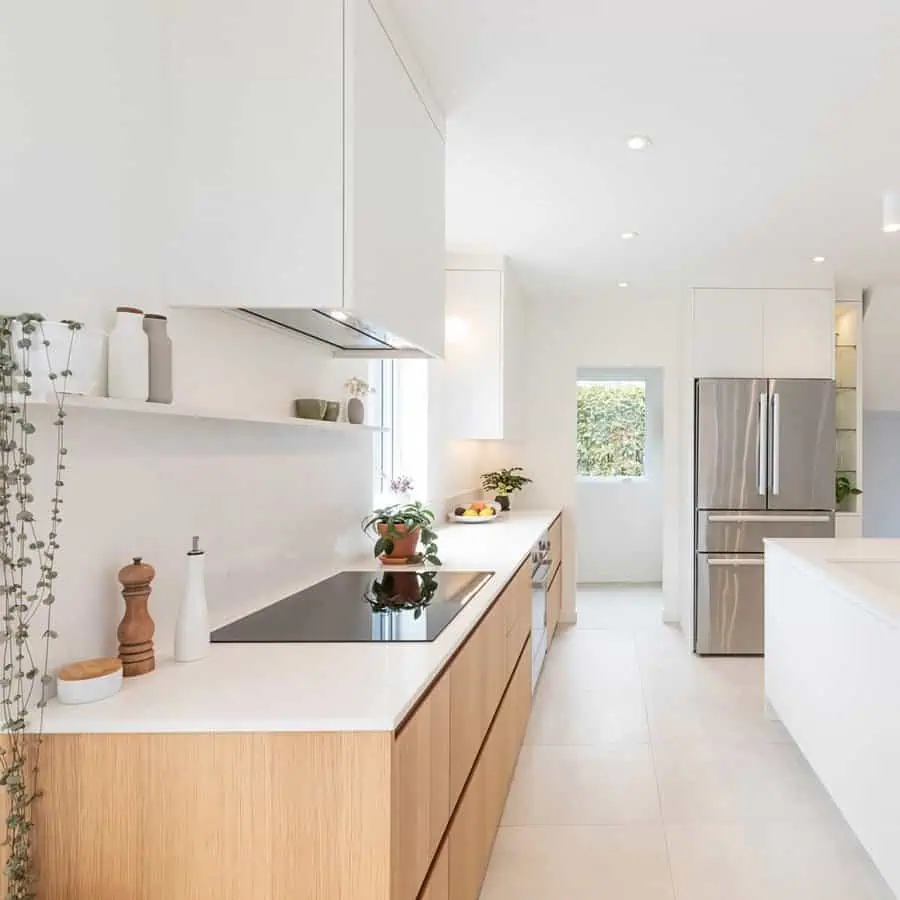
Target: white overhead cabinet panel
x: 763, y: 333
x: 483, y: 353
x: 728, y: 334
x: 307, y: 170
x: 799, y: 334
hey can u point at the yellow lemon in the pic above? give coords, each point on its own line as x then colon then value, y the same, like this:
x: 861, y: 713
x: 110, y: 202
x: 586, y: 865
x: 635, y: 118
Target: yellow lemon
x: 486, y: 513
x: 470, y: 512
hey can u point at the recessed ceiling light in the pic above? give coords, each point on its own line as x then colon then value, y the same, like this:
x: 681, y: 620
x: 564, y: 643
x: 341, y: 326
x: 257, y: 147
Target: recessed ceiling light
x: 623, y: 284
x: 818, y: 259
x: 338, y: 314
x: 629, y: 235
x: 638, y: 142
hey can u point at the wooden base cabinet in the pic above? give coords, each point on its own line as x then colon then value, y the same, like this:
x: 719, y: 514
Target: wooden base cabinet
x: 554, y: 604
x: 408, y: 815
x: 472, y: 831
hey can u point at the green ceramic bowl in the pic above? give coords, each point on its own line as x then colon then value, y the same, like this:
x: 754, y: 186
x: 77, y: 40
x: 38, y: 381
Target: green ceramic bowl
x: 310, y: 409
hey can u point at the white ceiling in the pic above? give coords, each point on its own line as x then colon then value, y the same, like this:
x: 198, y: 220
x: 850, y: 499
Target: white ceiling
x: 776, y: 129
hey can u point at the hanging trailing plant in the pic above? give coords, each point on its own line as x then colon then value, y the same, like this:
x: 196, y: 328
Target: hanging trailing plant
x: 27, y: 593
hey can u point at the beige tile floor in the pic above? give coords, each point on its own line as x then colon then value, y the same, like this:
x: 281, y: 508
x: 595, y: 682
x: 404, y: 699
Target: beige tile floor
x: 650, y: 774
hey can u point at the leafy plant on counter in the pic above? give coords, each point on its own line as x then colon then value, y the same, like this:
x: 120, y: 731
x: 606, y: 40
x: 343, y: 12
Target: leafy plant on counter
x: 843, y: 489
x: 399, y: 520
x: 504, y: 482
x: 29, y: 581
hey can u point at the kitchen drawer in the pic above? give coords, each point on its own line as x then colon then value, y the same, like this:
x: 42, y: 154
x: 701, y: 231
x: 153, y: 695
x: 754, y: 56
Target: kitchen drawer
x: 420, y: 790
x: 517, y: 609
x: 437, y: 887
x: 555, y: 534
x: 554, y: 604
x: 743, y: 532
x: 730, y: 614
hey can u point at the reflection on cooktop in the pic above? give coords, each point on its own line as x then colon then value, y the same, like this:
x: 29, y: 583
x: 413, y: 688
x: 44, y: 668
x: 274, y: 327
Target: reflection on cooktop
x: 361, y: 606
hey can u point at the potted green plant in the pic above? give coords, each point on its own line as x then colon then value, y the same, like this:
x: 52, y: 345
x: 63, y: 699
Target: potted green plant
x: 29, y: 544
x: 397, y: 530
x: 504, y: 482
x: 844, y: 490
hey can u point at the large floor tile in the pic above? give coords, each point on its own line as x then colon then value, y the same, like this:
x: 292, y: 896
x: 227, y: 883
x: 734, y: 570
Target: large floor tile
x: 620, y: 862
x: 771, y: 862
x: 583, y: 786
x: 624, y: 607
x: 587, y: 717
x: 739, y: 782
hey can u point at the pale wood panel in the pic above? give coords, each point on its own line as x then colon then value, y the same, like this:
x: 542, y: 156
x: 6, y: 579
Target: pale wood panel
x: 438, y: 885
x: 420, y: 777
x: 467, y: 708
x: 225, y: 816
x: 555, y: 533
x: 554, y: 604
x: 518, y: 614
x: 474, y: 826
x: 496, y: 674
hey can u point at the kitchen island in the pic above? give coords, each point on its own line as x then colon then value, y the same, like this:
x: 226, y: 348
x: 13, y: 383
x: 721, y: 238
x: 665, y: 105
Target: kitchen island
x: 833, y: 676
x: 359, y: 771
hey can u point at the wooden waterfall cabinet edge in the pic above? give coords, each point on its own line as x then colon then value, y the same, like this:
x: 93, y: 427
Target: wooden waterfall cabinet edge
x: 299, y: 816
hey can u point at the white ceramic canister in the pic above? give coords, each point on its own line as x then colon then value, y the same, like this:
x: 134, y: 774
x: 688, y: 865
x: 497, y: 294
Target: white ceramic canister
x: 129, y: 356
x: 160, y: 358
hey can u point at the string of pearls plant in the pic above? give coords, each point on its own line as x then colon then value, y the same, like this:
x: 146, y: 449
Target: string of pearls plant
x: 29, y: 575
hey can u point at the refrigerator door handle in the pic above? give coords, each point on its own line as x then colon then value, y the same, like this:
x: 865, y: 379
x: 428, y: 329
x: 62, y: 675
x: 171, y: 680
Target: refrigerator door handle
x: 762, y: 476
x: 751, y: 517
x: 776, y: 444
x: 736, y: 561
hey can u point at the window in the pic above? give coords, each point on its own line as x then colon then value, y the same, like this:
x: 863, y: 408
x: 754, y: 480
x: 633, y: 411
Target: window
x: 401, y: 404
x: 612, y: 428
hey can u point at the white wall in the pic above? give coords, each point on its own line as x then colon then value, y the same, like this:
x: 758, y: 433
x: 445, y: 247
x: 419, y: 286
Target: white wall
x: 267, y: 501
x: 599, y: 332
x: 620, y: 520
x: 881, y: 414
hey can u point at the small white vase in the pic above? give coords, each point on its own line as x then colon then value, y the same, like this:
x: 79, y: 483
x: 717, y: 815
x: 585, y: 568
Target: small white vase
x: 129, y: 356
x: 192, y: 625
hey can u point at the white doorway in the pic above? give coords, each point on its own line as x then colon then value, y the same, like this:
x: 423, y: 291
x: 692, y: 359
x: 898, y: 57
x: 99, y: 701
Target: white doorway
x: 619, y: 474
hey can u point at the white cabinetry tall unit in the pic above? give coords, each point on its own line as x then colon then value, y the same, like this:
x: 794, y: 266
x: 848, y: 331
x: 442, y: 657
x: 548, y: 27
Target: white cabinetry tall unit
x: 484, y: 354
x: 763, y: 333
x: 307, y: 165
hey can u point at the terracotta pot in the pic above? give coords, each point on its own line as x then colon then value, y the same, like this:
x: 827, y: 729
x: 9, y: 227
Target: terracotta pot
x: 404, y: 546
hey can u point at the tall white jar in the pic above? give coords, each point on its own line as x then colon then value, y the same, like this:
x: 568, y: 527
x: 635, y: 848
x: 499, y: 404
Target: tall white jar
x: 129, y: 356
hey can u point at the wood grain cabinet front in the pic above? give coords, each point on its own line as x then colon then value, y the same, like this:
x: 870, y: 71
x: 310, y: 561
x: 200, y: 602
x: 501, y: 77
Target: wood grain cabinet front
x: 437, y: 887
x: 420, y: 778
x: 517, y: 600
x: 472, y: 831
x: 554, y: 604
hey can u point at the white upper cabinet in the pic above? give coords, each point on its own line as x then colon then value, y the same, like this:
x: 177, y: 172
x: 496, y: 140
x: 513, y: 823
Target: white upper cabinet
x: 763, y: 333
x: 799, y: 334
x: 728, y: 334
x: 483, y: 368
x: 307, y: 169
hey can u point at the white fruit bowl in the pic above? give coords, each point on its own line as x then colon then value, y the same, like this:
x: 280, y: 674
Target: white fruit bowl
x: 475, y: 520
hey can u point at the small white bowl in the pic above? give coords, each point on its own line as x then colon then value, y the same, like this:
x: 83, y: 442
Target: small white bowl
x: 88, y: 690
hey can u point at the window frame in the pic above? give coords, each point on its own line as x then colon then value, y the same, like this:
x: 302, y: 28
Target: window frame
x: 621, y: 379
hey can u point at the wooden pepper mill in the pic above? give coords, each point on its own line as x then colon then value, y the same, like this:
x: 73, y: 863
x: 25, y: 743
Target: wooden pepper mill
x: 136, y: 629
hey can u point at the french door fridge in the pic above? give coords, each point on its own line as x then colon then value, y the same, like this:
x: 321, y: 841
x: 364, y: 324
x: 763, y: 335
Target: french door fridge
x: 764, y: 467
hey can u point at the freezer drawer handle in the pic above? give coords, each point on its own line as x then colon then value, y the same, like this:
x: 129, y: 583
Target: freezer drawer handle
x: 735, y: 562
x: 759, y: 518
x: 762, y: 476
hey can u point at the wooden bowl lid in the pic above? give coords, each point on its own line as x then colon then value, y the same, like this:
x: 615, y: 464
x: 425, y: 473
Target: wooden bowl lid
x: 89, y: 668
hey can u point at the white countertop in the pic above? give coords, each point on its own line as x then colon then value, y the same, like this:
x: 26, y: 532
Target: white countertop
x: 310, y: 687
x: 865, y: 570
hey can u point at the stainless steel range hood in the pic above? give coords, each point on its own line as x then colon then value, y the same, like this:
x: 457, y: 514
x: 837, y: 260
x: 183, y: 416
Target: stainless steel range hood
x: 340, y: 331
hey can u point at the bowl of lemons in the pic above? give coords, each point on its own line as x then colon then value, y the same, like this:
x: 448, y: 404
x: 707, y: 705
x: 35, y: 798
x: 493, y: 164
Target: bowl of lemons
x: 476, y: 513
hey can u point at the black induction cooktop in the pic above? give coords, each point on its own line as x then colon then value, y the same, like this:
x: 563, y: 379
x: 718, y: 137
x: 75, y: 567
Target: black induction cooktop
x: 360, y: 606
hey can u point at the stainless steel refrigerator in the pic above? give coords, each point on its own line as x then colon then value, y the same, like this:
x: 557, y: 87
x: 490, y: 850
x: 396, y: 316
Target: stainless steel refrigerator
x: 764, y: 466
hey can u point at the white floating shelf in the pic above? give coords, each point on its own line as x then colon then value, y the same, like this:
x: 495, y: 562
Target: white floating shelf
x: 185, y: 412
